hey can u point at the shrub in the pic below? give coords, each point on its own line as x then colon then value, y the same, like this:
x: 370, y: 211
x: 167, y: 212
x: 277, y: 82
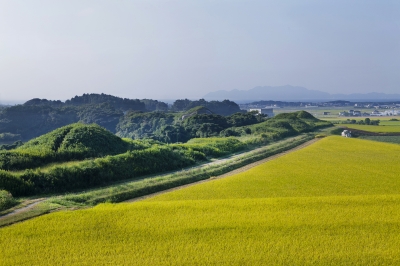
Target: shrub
x: 6, y: 200
x: 337, y: 131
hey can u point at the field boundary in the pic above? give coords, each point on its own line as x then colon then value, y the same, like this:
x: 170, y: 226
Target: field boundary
x: 230, y: 173
x: 135, y: 190
x: 370, y: 133
x: 32, y: 204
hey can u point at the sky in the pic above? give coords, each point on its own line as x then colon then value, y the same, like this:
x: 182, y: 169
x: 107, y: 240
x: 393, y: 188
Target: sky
x: 163, y: 49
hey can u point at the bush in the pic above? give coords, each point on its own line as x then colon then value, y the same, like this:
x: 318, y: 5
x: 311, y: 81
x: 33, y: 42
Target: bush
x: 6, y: 200
x: 337, y: 131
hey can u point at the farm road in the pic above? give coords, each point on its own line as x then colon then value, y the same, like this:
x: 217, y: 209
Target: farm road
x: 233, y: 172
x: 33, y: 203
x: 28, y: 207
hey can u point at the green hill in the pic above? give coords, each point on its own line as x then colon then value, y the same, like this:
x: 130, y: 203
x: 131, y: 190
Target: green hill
x: 72, y: 142
x: 95, y: 140
x: 80, y: 156
x: 281, y: 125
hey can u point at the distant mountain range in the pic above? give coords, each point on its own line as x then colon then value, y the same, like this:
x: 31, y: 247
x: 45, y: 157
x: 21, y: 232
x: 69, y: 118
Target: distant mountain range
x: 294, y: 93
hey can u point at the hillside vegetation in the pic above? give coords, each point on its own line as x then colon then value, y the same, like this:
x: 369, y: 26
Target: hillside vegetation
x: 327, y: 208
x: 72, y: 142
x: 99, y: 157
x: 40, y: 116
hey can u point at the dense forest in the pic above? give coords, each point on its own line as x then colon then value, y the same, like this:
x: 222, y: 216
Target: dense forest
x: 39, y: 116
x: 80, y: 156
x: 171, y: 128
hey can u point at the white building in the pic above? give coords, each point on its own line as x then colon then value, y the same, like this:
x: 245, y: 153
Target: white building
x: 264, y: 111
x: 385, y: 113
x: 346, y: 133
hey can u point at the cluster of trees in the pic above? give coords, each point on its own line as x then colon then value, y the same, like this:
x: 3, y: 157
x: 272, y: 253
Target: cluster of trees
x: 282, y: 125
x: 170, y: 128
x: 117, y: 159
x: 366, y: 121
x: 39, y: 116
x: 68, y: 143
x: 6, y: 200
x: 14, y: 145
x: 225, y: 107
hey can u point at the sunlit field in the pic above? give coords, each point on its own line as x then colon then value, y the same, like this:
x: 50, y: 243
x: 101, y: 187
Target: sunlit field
x: 379, y: 129
x: 383, y: 119
x: 335, y: 202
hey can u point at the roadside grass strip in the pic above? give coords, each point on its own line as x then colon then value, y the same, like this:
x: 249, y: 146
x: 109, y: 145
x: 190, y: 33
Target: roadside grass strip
x: 335, y: 202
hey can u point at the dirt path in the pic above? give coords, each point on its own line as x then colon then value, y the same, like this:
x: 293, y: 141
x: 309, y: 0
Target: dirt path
x: 236, y: 171
x: 23, y: 209
x: 30, y: 205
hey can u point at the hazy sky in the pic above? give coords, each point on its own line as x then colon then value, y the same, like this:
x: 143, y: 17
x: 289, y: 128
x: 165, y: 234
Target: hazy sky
x: 185, y: 49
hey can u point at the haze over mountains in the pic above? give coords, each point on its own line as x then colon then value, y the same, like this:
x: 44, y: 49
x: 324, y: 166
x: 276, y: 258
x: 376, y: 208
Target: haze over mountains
x: 294, y: 93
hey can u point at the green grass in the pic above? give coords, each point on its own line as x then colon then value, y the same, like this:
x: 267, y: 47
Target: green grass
x: 389, y: 123
x: 377, y: 129
x: 341, y: 118
x: 333, y: 203
x: 389, y: 139
x: 46, y: 168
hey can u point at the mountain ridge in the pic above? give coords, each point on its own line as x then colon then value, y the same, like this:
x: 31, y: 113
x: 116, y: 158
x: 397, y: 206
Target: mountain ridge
x: 294, y: 93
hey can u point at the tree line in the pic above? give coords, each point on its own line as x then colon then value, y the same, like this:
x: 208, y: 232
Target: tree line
x: 100, y: 157
x: 39, y: 116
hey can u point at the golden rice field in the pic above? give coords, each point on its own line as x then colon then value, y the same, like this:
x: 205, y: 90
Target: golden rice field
x: 336, y: 202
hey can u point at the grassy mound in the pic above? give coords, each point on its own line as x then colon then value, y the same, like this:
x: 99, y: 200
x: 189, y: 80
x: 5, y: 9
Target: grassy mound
x: 72, y: 142
x: 285, y: 125
x: 93, y: 139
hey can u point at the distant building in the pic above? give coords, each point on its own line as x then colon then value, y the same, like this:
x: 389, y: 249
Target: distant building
x: 346, y: 133
x: 327, y: 113
x: 264, y: 111
x: 350, y: 113
x: 376, y: 113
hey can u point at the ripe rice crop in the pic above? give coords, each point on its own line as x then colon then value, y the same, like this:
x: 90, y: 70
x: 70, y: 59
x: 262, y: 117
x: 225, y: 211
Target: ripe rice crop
x: 333, y: 203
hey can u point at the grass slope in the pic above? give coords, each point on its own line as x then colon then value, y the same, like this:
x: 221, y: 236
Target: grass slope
x: 95, y: 140
x: 73, y: 142
x: 333, y: 203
